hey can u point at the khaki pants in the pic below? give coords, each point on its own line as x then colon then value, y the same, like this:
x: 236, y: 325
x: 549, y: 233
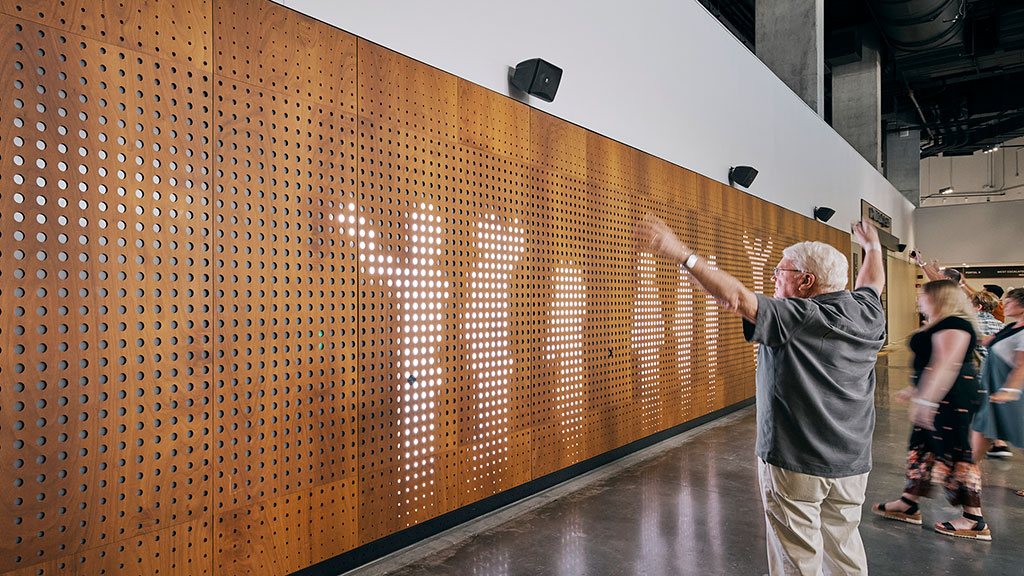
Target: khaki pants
x: 806, y: 515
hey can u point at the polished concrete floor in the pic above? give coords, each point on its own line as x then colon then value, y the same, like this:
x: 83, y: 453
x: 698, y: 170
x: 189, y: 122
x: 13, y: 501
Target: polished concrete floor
x: 690, y: 505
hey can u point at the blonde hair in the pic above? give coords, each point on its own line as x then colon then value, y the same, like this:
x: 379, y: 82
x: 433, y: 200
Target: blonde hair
x: 948, y: 300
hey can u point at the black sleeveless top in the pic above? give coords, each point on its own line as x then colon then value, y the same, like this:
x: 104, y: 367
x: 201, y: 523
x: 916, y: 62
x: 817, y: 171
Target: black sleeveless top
x: 921, y: 345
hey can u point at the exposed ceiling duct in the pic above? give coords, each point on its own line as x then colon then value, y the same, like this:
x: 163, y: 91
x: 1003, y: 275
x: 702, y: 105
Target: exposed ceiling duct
x: 918, y: 25
x: 962, y: 55
x: 953, y: 69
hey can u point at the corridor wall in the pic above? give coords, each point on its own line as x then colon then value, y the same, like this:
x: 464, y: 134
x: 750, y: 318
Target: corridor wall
x: 901, y: 284
x: 999, y: 246
x: 270, y: 292
x: 665, y: 77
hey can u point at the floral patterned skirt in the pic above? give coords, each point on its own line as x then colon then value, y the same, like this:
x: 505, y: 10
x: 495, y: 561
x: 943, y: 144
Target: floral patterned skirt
x: 947, y: 449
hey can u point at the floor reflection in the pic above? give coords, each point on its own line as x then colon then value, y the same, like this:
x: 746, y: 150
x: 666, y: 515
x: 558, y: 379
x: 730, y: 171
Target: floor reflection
x: 695, y: 509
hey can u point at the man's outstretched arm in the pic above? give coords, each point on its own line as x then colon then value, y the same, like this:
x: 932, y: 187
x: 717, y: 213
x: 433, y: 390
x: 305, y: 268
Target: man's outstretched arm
x: 729, y: 292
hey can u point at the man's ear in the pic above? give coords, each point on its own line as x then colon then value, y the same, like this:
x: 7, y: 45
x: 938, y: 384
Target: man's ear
x: 809, y: 281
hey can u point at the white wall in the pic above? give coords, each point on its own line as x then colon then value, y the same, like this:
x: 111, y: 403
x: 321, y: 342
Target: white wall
x: 975, y: 234
x: 660, y: 75
x: 992, y: 177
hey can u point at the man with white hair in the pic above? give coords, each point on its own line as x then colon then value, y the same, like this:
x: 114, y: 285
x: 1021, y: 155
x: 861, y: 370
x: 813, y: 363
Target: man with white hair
x: 815, y: 392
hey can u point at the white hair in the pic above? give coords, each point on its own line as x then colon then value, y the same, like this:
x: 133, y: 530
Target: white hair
x: 829, y: 266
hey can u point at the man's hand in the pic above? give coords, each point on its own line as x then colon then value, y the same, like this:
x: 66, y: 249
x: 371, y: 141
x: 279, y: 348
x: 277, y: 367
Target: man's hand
x: 865, y: 233
x: 659, y: 237
x: 872, y: 273
x: 932, y: 271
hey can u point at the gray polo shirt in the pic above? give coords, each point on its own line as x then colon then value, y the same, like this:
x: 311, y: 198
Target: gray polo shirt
x: 816, y: 380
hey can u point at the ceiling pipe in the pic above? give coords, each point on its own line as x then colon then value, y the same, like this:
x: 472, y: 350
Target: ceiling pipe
x: 920, y: 114
x: 919, y: 25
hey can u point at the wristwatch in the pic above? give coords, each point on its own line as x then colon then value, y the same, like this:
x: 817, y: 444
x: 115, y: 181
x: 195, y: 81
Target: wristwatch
x: 690, y: 261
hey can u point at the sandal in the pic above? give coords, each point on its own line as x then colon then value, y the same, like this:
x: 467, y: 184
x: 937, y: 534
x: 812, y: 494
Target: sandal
x: 979, y: 531
x: 912, y: 515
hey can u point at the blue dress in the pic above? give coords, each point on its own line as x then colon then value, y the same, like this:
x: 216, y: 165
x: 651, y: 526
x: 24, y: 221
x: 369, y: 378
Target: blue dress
x: 1001, y: 421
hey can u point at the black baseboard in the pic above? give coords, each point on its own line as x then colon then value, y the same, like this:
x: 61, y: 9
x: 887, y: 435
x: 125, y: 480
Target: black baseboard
x: 379, y: 548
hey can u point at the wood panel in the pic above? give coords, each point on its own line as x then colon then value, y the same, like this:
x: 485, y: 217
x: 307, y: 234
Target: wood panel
x: 185, y: 548
x: 285, y: 279
x: 616, y: 175
x: 272, y: 47
x: 902, y: 299
x: 559, y: 210
x: 174, y: 30
x: 105, y: 352
x: 271, y: 292
x: 490, y: 365
x: 408, y: 414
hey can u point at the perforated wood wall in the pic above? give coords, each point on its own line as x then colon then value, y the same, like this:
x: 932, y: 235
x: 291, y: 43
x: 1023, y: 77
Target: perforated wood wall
x: 269, y: 292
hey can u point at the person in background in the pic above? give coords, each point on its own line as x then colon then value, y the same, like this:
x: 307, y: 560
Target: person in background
x: 815, y: 391
x: 944, y: 396
x: 998, y: 448
x: 933, y: 272
x: 994, y: 289
x: 998, y: 291
x: 984, y: 303
x: 1003, y: 378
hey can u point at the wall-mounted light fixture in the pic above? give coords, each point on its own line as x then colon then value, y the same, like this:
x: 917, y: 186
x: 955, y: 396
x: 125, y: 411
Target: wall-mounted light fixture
x: 536, y: 77
x: 823, y: 213
x: 742, y: 175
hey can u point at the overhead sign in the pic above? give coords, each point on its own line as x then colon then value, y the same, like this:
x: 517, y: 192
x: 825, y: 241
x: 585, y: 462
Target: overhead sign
x: 993, y: 271
x: 881, y: 219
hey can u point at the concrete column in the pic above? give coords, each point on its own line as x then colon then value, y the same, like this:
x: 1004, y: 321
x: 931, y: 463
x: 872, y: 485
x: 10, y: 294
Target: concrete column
x: 857, y: 101
x: 903, y: 162
x: 790, y: 40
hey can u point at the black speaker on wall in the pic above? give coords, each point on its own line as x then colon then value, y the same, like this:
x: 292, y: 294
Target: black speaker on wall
x: 823, y: 213
x: 537, y: 77
x: 742, y: 175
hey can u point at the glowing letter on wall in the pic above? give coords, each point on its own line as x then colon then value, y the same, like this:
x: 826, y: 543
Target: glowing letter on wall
x: 648, y: 338
x: 499, y: 247
x: 565, y: 346
x: 711, y: 341
x: 683, y: 330
x: 758, y: 252
x: 416, y: 282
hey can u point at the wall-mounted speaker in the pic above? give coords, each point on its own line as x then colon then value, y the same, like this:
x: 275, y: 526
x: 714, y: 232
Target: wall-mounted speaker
x: 742, y: 175
x: 537, y: 77
x: 823, y: 213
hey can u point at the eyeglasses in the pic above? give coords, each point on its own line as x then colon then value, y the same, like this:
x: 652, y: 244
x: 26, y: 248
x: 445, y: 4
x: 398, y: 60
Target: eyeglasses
x: 776, y: 270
